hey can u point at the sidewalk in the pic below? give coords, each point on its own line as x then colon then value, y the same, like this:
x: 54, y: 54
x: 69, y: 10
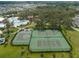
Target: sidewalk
x: 75, y: 28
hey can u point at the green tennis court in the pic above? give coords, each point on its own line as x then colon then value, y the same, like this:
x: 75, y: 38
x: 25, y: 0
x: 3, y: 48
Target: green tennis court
x: 48, y: 40
x: 22, y: 38
x: 46, y: 33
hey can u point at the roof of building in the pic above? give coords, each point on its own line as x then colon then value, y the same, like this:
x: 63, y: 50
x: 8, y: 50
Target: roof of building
x: 1, y: 32
x: 17, y: 22
x: 1, y: 18
x: 11, y: 19
x: 2, y: 40
x: 75, y: 21
x: 22, y: 38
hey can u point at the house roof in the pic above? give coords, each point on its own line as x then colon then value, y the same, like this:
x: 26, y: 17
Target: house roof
x: 1, y: 32
x: 2, y: 25
x: 20, y: 22
x: 11, y: 19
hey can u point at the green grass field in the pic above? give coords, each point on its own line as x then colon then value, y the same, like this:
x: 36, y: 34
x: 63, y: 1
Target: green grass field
x: 15, y: 51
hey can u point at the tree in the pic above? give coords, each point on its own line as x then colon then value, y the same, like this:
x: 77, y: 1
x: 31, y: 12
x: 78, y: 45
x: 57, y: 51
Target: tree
x: 55, y: 16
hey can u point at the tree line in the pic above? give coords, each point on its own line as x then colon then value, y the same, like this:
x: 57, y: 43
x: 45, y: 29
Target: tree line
x: 49, y: 17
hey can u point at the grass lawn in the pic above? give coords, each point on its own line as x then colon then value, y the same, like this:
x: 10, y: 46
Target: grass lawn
x: 74, y: 38
x: 15, y: 51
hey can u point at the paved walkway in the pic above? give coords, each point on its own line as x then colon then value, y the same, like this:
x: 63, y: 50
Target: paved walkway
x: 75, y: 28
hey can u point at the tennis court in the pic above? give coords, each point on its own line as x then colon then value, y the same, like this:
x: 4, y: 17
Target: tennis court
x: 22, y: 38
x: 48, y: 40
x: 46, y: 33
